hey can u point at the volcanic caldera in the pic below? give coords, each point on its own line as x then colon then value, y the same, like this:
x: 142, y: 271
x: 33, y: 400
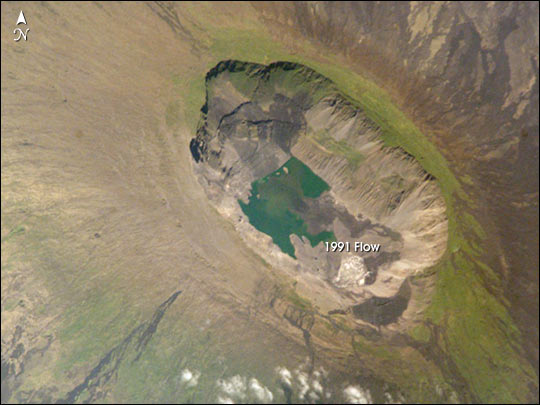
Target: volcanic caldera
x: 269, y: 133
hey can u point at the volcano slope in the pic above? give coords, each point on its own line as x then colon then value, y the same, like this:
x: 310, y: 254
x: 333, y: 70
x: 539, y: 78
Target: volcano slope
x: 125, y: 279
x: 255, y: 119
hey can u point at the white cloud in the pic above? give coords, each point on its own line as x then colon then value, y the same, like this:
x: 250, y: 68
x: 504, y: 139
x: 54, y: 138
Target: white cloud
x: 303, y: 381
x: 234, y: 386
x: 357, y: 395
x: 308, y: 387
x: 189, y: 378
x: 262, y: 393
x: 237, y: 389
x: 317, y: 386
x: 285, y: 375
x: 313, y: 396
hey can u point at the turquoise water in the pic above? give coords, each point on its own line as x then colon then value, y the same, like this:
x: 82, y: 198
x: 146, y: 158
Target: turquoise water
x: 276, y: 199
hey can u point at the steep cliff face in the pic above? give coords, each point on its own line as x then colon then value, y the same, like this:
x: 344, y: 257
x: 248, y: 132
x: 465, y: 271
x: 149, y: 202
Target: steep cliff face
x: 467, y: 73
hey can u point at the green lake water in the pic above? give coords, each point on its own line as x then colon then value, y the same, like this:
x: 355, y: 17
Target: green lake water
x: 276, y: 199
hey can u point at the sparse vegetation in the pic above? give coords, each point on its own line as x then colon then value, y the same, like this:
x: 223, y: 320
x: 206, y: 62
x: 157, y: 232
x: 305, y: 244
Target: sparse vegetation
x: 94, y: 292
x: 341, y: 148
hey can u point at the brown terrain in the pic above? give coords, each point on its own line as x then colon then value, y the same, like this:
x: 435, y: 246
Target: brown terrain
x: 122, y: 281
